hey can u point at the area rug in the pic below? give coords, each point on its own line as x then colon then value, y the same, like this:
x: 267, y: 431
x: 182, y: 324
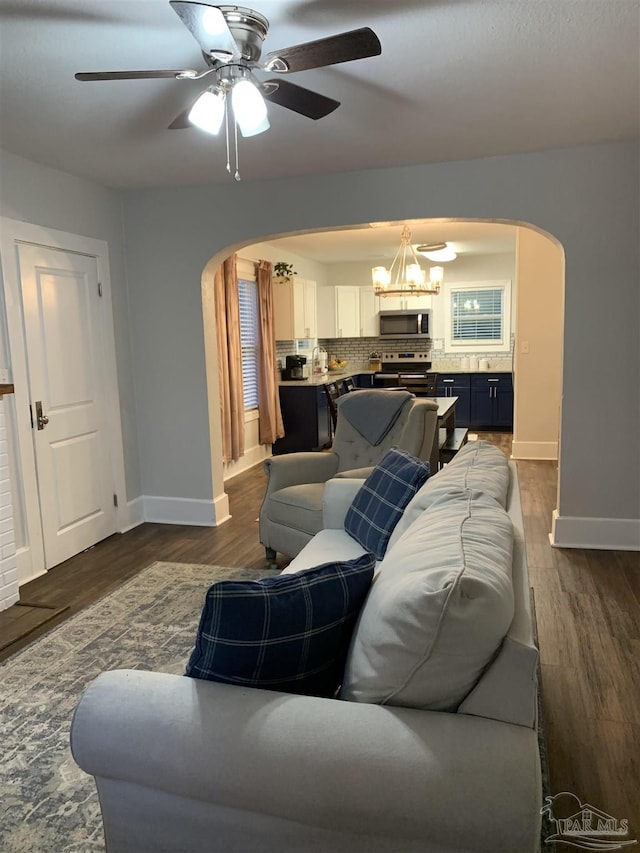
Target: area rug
x: 47, y: 803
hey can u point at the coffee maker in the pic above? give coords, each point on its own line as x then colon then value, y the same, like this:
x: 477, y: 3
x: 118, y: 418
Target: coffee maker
x: 294, y: 368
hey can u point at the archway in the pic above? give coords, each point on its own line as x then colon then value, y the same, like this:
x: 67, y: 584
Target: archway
x: 537, y: 330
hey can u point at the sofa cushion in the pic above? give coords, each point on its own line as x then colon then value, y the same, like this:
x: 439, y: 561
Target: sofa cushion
x: 438, y: 609
x: 382, y: 498
x: 289, y: 632
x: 478, y: 465
x: 327, y: 545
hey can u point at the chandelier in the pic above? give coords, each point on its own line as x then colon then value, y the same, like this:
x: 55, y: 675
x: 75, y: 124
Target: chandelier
x: 405, y: 276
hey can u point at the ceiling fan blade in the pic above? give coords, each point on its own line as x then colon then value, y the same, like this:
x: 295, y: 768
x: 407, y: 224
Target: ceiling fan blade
x: 355, y: 44
x: 134, y: 75
x: 298, y: 99
x: 208, y: 26
x: 181, y: 121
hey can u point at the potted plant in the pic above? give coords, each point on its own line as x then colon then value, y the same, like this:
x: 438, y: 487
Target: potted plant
x: 284, y: 271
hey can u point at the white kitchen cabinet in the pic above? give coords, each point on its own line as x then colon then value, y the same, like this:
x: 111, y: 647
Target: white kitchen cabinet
x: 405, y: 303
x: 339, y: 312
x: 294, y: 308
x: 369, y: 308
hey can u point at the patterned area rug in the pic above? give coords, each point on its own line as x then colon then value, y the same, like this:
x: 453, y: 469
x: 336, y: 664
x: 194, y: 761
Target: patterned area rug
x: 47, y: 803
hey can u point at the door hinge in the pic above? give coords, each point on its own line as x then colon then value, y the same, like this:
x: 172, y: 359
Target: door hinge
x: 100, y: 289
x: 115, y: 500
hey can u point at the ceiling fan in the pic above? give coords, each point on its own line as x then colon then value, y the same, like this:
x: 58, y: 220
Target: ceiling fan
x: 231, y: 38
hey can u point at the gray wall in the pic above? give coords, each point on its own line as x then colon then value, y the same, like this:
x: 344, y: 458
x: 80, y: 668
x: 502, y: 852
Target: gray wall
x: 586, y: 197
x: 42, y: 196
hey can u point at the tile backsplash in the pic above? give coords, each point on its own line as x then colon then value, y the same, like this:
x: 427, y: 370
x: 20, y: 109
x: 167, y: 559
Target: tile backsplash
x: 357, y: 351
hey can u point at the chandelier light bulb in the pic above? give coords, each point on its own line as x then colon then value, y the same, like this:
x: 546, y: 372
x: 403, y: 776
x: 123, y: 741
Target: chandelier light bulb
x: 249, y: 108
x: 208, y: 112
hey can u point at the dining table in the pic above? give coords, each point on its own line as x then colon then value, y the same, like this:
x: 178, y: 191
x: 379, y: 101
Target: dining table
x: 447, y: 423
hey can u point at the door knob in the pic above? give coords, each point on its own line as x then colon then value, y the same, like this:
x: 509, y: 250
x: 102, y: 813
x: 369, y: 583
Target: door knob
x: 41, y: 420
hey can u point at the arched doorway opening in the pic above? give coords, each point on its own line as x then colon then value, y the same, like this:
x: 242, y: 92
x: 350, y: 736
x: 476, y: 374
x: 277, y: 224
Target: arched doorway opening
x: 530, y: 259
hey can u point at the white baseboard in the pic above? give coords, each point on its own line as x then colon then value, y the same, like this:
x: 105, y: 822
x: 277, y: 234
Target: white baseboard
x: 252, y: 456
x: 131, y: 515
x: 221, y: 505
x: 179, y: 511
x: 543, y: 450
x: 608, y: 534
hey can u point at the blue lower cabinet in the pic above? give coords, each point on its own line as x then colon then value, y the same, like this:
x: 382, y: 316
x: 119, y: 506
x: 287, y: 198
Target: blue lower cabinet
x: 457, y: 385
x: 491, y: 401
x: 306, y: 419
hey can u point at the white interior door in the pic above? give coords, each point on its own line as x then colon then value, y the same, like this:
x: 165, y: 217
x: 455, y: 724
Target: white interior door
x: 62, y: 307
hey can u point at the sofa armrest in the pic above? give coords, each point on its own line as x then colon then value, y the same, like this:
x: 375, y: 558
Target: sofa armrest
x: 372, y: 772
x: 291, y: 469
x: 336, y: 499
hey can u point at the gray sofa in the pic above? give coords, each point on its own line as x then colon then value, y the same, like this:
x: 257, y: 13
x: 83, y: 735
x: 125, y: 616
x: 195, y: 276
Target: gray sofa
x: 432, y: 746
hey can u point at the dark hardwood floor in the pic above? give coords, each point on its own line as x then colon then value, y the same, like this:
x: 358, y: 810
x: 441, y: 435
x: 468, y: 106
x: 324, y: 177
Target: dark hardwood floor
x: 587, y: 608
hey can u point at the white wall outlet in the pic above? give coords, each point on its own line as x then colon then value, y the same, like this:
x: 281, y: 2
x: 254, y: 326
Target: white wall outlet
x: 4, y: 376
x: 438, y: 343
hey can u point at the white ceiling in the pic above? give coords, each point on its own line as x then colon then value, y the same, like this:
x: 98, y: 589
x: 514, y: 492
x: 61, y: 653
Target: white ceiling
x: 380, y: 241
x: 457, y: 79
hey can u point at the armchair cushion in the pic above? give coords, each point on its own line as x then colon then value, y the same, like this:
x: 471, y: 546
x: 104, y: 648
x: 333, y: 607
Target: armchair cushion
x: 290, y: 632
x: 382, y: 498
x: 298, y: 506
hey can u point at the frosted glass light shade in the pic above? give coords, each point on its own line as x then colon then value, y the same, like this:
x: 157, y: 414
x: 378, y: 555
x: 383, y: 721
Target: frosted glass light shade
x: 436, y: 276
x: 415, y: 274
x: 249, y: 108
x: 207, y: 112
x: 380, y: 276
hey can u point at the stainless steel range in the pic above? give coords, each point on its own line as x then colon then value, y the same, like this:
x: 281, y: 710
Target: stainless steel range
x: 400, y: 362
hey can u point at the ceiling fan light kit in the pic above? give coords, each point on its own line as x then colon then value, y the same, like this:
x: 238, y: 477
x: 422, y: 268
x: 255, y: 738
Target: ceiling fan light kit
x: 405, y: 276
x: 231, y: 38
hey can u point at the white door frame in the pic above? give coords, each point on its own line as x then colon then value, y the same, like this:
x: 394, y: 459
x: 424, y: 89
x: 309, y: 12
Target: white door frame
x: 30, y: 558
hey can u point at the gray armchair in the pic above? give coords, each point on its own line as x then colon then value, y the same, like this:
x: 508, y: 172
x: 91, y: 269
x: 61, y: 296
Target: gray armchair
x: 369, y: 423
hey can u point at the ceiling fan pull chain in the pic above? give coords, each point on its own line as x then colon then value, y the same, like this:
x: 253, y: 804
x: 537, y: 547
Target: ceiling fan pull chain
x: 226, y: 131
x: 235, y: 130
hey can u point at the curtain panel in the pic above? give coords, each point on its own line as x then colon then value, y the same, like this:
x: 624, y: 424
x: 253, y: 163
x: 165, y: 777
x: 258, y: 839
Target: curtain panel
x: 229, y: 359
x: 269, y: 412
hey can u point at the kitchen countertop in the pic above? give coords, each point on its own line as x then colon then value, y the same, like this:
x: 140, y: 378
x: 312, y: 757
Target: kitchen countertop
x: 318, y: 379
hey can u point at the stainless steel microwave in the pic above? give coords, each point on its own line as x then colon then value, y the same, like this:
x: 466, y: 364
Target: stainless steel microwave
x: 405, y: 324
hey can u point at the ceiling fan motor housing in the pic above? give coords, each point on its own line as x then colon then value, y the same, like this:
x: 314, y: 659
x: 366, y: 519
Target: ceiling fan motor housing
x: 249, y: 29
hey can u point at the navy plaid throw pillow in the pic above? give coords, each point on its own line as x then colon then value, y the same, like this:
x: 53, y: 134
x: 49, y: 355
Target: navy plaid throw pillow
x: 289, y: 632
x: 380, y: 502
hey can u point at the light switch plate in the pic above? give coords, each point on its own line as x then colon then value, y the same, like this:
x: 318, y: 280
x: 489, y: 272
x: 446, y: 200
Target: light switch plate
x: 4, y: 376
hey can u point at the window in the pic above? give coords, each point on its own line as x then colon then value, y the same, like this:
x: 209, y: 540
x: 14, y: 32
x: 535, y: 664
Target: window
x: 248, y: 299
x: 479, y: 316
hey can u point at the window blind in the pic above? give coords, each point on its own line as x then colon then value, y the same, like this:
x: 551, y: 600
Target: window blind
x: 477, y: 315
x: 248, y: 300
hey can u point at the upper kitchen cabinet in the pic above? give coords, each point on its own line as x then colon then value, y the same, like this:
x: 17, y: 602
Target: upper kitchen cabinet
x: 339, y: 312
x: 405, y: 303
x: 295, y: 309
x: 369, y: 309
